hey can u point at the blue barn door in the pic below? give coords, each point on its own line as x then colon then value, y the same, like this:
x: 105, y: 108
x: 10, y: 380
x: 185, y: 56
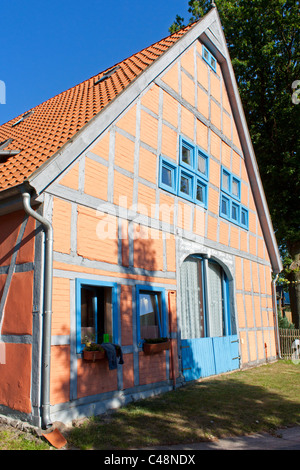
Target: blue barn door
x: 209, y: 344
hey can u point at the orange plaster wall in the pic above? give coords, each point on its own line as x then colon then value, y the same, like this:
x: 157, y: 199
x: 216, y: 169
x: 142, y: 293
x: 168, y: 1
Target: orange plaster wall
x: 95, y: 179
x: 10, y: 227
x: 97, y: 235
x: 102, y: 147
x: 16, y: 377
x: 94, y: 378
x: 71, y: 178
x: 18, y: 307
x: 60, y: 374
x: 124, y: 152
x: 148, y: 248
x: 152, y: 368
x: 61, y: 222
x: 61, y: 306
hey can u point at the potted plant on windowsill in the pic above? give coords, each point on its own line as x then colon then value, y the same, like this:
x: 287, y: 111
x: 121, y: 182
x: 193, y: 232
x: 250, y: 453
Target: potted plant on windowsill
x: 155, y: 345
x: 93, y: 352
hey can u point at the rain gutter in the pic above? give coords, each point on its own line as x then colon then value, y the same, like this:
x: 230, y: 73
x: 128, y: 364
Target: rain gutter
x: 46, y: 350
x: 275, y: 314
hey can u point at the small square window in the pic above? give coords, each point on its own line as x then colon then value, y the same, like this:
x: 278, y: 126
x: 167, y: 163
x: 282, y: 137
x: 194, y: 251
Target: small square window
x: 235, y: 188
x: 185, y: 184
x: 202, y: 164
x: 244, y: 217
x: 209, y: 58
x: 235, y: 212
x: 186, y: 157
x: 168, y: 176
x: 226, y: 181
x: 200, y: 192
x: 225, y: 206
x: 213, y: 62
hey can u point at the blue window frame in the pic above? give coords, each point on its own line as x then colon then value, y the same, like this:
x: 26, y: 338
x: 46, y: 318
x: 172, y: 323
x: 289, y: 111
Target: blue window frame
x: 186, y: 154
x: 209, y: 58
x: 200, y: 195
x: 230, y: 184
x: 225, y: 207
x: 151, y: 312
x: 96, y: 312
x: 230, y: 207
x: 244, y: 218
x: 186, y: 182
x: 168, y: 175
x: 189, y: 179
x: 235, y: 212
x: 202, y: 164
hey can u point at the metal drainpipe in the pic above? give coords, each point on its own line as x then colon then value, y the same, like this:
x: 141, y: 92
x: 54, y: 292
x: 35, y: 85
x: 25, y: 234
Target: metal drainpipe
x: 46, y: 344
x: 275, y: 313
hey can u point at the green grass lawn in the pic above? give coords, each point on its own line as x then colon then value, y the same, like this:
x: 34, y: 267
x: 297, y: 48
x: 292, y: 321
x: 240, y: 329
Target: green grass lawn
x: 259, y: 399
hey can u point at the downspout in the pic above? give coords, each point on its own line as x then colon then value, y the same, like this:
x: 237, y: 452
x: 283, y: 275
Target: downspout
x: 46, y: 343
x: 275, y: 314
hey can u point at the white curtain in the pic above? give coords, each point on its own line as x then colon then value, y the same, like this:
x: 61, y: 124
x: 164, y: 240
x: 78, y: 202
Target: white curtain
x: 215, y: 300
x: 190, y: 300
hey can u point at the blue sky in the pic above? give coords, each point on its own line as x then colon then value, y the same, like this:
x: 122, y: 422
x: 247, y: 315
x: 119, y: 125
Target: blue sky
x: 47, y: 46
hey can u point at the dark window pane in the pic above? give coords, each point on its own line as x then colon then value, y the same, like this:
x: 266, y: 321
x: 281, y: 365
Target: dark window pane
x: 185, y: 185
x: 186, y: 155
x: 200, y: 193
x: 166, y: 176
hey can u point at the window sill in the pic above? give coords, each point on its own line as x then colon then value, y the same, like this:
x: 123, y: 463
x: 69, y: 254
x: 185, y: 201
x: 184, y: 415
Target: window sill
x: 154, y: 348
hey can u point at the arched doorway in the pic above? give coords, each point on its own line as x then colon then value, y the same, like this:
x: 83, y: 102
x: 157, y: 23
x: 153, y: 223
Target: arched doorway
x: 208, y: 329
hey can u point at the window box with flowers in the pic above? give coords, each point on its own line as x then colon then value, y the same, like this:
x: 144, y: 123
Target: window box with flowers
x: 155, y: 345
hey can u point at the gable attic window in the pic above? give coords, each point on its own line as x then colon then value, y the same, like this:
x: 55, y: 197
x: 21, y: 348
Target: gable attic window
x: 209, y: 58
x: 230, y: 206
x: 25, y: 116
x: 107, y: 74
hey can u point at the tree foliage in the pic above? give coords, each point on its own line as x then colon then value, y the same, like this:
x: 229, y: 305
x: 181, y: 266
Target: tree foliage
x: 263, y: 38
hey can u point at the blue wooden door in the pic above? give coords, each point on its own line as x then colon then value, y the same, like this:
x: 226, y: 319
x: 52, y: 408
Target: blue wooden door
x: 203, y: 357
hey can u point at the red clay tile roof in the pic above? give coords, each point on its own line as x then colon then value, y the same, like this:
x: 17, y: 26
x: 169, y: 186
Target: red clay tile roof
x: 58, y: 119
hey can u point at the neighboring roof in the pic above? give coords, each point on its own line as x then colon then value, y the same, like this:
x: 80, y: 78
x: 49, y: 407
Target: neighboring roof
x: 43, y: 130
